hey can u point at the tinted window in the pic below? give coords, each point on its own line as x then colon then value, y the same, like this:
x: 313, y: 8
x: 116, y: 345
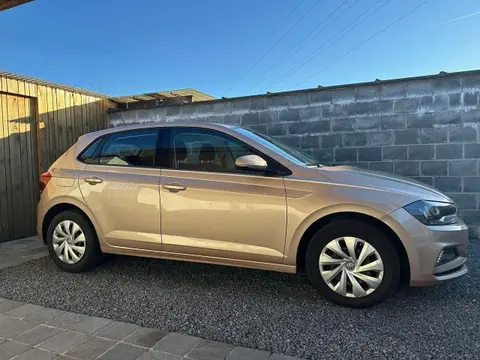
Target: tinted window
x: 205, y: 150
x: 88, y: 154
x: 129, y: 148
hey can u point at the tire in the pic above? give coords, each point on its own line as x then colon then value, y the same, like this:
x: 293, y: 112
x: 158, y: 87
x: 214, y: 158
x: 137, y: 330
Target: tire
x: 386, y: 282
x: 92, y: 255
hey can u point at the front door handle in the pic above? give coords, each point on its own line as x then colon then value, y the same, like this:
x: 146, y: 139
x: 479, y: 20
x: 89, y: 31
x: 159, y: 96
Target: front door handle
x: 93, y: 180
x: 174, y: 187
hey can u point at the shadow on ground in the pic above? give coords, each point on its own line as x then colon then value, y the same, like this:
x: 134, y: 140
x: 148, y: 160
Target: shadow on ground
x: 260, y: 309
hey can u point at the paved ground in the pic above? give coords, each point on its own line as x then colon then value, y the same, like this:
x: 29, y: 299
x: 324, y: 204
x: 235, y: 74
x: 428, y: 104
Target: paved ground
x: 259, y: 309
x: 32, y: 332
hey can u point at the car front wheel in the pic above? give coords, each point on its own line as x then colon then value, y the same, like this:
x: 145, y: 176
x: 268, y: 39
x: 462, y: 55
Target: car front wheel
x: 353, y: 264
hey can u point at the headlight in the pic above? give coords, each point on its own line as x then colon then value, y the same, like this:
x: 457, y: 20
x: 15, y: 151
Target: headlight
x: 433, y: 213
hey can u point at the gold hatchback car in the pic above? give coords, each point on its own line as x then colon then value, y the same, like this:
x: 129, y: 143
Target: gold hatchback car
x: 227, y: 195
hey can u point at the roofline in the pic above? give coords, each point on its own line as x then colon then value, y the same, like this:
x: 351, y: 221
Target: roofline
x: 442, y: 74
x: 51, y: 84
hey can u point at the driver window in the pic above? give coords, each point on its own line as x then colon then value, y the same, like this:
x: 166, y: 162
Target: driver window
x: 204, y: 150
x: 130, y: 148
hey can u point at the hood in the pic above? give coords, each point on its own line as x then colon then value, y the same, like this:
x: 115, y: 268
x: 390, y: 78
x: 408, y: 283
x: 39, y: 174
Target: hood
x: 349, y: 175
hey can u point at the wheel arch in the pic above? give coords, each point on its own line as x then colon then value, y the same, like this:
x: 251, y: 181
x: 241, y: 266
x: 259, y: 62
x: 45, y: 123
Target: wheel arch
x: 348, y: 215
x: 60, y: 207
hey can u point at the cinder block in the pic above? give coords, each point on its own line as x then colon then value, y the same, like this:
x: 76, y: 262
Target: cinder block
x: 407, y: 168
x: 471, y: 82
x: 407, y: 105
x: 463, y: 134
x: 341, y: 96
x: 319, y: 126
x: 320, y: 97
x: 435, y: 168
x: 447, y: 85
x: 381, y: 107
x: 470, y: 99
x: 345, y: 155
x: 455, y: 100
x: 311, y: 113
x: 420, y: 121
x: 464, y: 201
x: 449, y: 151
x: 371, y: 92
x: 471, y: 184
x: 324, y: 156
x: 433, y: 136
x: 355, y: 139
x: 393, y: 91
x: 331, y: 141
x: 471, y: 116
x: 310, y: 142
x: 299, y: 100
x: 380, y: 138
x: 421, y: 152
x: 277, y: 102
x: 406, y: 137
x: 240, y: 106
x: 277, y: 129
x: 268, y: 117
x: 425, y: 179
x: 367, y: 122
x: 419, y: 88
x: 258, y: 103
x: 370, y: 154
x: 471, y: 217
x: 386, y: 166
x: 448, y: 183
x: 398, y: 152
x: 472, y: 151
x: 232, y: 119
x: 250, y: 119
x: 342, y: 124
x: 447, y: 117
x: 463, y: 168
x: 392, y: 122
x: 289, y: 115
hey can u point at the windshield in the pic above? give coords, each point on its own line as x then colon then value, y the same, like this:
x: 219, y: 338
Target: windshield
x: 295, y: 155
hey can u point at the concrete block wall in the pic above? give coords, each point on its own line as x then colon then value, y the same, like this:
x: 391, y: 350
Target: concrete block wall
x: 427, y: 128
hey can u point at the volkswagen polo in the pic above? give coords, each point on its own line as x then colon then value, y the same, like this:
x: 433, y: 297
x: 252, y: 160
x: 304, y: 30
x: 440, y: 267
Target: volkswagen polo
x: 227, y: 195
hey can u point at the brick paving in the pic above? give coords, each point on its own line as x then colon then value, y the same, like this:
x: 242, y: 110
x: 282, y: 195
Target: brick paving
x: 32, y: 332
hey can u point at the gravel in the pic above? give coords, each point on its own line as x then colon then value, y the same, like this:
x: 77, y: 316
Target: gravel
x: 259, y: 309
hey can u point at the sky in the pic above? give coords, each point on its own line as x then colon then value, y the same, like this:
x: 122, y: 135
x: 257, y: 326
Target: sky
x: 236, y: 47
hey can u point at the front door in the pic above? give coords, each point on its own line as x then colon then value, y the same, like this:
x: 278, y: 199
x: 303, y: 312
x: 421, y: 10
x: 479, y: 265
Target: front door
x: 210, y: 208
x: 120, y: 185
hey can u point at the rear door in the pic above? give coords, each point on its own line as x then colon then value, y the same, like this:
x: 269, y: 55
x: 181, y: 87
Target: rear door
x: 120, y: 185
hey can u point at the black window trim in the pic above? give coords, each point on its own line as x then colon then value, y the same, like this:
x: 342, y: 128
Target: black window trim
x: 281, y: 170
x: 104, y: 138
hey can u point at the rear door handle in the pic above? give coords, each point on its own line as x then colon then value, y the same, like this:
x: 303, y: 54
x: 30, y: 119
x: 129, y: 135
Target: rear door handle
x: 174, y: 187
x: 93, y: 180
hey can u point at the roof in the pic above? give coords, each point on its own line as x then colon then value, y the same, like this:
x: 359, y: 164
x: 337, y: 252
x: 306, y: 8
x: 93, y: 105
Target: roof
x: 7, y: 4
x: 161, y: 95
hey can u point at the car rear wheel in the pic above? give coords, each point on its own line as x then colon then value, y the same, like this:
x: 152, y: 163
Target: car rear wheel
x: 353, y: 264
x: 72, y: 242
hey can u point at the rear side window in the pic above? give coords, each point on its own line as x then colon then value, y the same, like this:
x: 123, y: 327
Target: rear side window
x: 130, y: 148
x: 88, y: 155
x: 126, y: 148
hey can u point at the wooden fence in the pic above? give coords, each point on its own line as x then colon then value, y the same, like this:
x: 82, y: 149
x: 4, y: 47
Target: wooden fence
x: 38, y: 122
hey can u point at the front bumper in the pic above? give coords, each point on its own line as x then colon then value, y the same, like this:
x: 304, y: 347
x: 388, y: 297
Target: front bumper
x: 423, y: 245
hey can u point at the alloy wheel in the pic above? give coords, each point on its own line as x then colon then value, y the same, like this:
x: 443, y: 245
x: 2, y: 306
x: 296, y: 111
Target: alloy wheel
x: 69, y: 242
x: 351, y: 267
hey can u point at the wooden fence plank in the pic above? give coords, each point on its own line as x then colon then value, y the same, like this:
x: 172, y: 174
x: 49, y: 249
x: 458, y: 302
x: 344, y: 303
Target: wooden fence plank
x: 4, y: 163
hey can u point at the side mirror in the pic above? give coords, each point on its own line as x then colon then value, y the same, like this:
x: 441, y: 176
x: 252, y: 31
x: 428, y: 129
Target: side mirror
x: 251, y: 162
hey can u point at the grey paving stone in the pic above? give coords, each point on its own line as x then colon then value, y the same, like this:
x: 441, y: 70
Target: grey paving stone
x: 90, y: 348
x: 283, y: 357
x: 117, y: 330
x: 8, y: 305
x: 62, y: 341
x: 37, y: 335
x: 177, y: 344
x: 123, y: 352
x: 81, y: 323
x: 10, y: 327
x: 241, y: 353
x: 36, y: 354
x: 210, y: 350
x: 23, y: 310
x: 159, y: 355
x: 145, y: 337
x: 9, y: 349
x: 44, y: 315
